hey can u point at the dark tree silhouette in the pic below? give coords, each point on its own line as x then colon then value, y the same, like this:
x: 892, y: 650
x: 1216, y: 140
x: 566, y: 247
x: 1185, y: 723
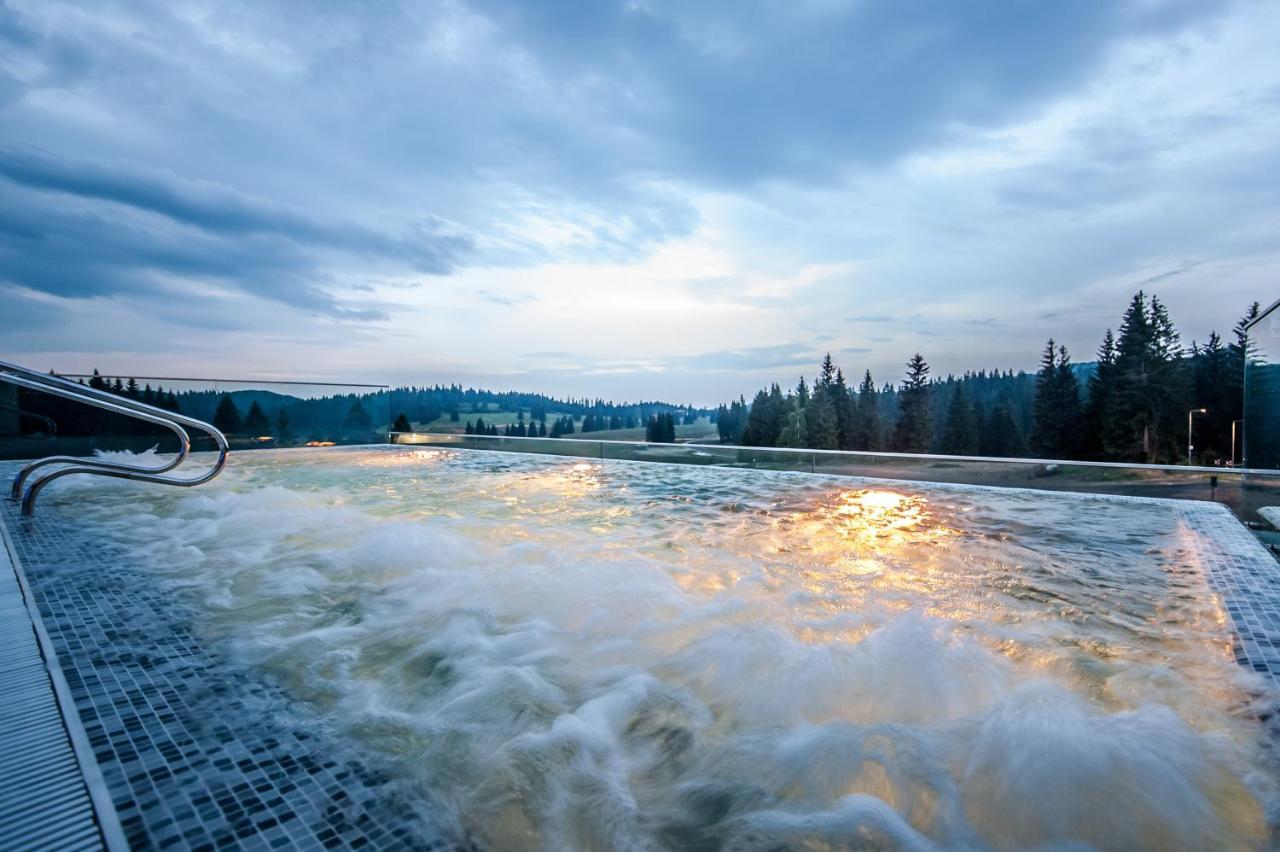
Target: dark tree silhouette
x: 227, y: 417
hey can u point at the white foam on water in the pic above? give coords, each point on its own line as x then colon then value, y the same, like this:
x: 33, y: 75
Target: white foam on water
x: 584, y: 656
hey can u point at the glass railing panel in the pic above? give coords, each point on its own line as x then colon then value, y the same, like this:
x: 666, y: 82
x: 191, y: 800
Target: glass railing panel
x: 1219, y: 484
x: 1243, y: 491
x: 707, y: 454
x: 1261, y: 437
x: 253, y: 414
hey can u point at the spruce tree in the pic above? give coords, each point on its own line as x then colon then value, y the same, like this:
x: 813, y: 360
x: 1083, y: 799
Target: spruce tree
x: 1240, y: 352
x: 1056, y: 428
x: 1045, y: 437
x: 1127, y: 424
x: 822, y: 425
x: 842, y: 399
x: 227, y: 417
x: 402, y: 423
x: 1211, y: 366
x: 960, y: 431
x: 794, y: 432
x: 1001, y: 437
x: 753, y: 431
x: 256, y: 422
x: 867, y: 428
x: 284, y: 429
x: 1102, y: 393
x: 914, y: 430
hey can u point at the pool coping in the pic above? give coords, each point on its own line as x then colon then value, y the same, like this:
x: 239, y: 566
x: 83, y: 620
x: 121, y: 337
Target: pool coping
x: 102, y: 812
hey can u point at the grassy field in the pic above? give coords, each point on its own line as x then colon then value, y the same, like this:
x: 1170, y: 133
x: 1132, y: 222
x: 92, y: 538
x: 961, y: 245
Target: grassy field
x: 702, y: 431
x: 501, y: 418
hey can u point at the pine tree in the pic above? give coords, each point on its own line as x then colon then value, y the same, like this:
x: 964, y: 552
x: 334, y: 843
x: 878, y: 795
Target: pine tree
x: 1152, y: 387
x: 402, y: 424
x: 256, y: 422
x: 758, y: 415
x: 1102, y: 392
x: 766, y: 418
x: 1240, y: 352
x: 794, y: 432
x: 915, y: 427
x: 1000, y: 436
x: 357, y: 419
x: 226, y: 418
x: 867, y: 428
x: 1056, y: 430
x: 1212, y: 391
x: 822, y: 425
x: 284, y: 429
x: 960, y: 432
x: 842, y: 399
x: 1127, y: 424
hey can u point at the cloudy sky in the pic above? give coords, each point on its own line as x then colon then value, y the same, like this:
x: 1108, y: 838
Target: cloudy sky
x: 643, y: 199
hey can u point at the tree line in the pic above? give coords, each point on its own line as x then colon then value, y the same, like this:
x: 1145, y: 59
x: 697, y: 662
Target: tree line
x: 423, y: 404
x: 1131, y: 404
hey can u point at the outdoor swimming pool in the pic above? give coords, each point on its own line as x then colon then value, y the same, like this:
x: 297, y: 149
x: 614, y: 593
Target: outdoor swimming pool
x: 559, y: 653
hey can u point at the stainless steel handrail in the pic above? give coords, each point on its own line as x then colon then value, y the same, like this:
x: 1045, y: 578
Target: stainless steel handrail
x: 67, y: 389
x: 184, y: 442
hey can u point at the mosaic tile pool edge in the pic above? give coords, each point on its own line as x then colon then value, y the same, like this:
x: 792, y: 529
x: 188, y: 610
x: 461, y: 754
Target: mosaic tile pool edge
x: 180, y: 774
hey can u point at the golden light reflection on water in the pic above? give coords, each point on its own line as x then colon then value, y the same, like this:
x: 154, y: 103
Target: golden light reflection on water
x: 873, y: 541
x: 881, y: 518
x: 413, y: 457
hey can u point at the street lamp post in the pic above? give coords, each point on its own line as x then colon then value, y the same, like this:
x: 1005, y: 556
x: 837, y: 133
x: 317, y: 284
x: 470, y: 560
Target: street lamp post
x: 1234, y: 423
x: 1190, y: 414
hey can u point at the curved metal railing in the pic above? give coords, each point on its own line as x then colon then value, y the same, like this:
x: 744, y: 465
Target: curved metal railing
x: 177, y: 423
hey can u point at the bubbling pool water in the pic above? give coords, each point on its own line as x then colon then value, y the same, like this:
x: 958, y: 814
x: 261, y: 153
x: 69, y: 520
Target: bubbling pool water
x: 577, y: 655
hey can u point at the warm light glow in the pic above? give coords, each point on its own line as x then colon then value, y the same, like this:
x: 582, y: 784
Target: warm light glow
x: 264, y: 438
x: 878, y: 513
x: 321, y: 444
x: 583, y: 467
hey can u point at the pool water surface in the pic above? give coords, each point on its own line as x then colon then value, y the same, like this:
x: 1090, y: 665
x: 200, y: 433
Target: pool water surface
x: 569, y: 654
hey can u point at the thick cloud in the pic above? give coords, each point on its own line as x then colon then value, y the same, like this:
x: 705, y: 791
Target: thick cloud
x: 713, y: 192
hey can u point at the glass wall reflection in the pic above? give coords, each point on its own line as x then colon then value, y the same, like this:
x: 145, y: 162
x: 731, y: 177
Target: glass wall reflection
x: 253, y: 415
x: 1262, y: 392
